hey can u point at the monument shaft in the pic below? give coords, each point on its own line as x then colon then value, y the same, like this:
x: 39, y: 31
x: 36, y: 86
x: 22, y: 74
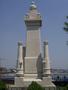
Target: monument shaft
x: 33, y: 24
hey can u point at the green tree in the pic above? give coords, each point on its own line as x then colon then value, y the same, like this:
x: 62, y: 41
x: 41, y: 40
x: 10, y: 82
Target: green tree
x: 2, y: 86
x: 67, y: 86
x: 35, y: 86
x: 66, y: 25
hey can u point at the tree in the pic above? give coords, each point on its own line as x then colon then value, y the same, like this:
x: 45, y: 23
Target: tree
x: 2, y: 86
x: 66, y: 25
x: 58, y: 78
x: 35, y: 86
x: 67, y: 87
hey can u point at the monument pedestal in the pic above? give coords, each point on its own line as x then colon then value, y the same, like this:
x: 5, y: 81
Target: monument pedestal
x: 18, y: 81
x: 22, y: 83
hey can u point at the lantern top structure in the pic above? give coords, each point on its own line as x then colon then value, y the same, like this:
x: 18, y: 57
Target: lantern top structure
x: 33, y: 6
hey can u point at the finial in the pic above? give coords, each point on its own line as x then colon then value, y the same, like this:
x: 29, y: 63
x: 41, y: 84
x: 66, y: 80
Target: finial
x: 33, y: 6
x: 33, y: 2
x: 46, y: 42
x: 20, y: 43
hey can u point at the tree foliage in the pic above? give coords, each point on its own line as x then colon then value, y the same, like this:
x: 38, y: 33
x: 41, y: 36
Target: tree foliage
x: 2, y: 86
x: 35, y: 86
x: 66, y: 25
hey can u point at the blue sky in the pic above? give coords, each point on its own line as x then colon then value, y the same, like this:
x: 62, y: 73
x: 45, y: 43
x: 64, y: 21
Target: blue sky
x: 12, y: 29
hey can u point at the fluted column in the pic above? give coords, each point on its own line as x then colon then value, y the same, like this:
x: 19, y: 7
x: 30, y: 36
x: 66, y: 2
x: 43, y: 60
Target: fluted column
x: 46, y: 62
x: 20, y: 60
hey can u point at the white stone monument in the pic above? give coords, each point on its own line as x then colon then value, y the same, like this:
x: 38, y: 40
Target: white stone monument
x: 31, y: 65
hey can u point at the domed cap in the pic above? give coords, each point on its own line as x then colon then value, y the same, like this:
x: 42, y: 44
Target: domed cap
x: 33, y: 6
x: 46, y: 42
x: 19, y: 43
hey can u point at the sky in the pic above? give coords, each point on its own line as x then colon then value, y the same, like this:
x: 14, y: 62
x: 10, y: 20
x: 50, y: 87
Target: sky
x: 13, y: 29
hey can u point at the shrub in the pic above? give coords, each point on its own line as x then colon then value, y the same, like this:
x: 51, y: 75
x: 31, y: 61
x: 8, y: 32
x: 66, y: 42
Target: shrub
x: 35, y: 86
x: 2, y: 85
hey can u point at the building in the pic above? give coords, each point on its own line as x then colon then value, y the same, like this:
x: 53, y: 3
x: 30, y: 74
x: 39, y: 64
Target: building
x: 31, y: 64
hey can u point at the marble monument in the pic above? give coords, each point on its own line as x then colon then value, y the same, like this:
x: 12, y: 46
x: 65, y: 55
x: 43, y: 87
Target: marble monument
x: 32, y: 65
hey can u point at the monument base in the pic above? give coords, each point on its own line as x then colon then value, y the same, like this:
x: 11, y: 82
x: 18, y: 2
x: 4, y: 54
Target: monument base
x: 22, y: 83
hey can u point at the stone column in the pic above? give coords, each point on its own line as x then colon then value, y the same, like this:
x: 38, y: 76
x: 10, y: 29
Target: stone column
x: 20, y: 60
x: 46, y: 62
x: 33, y: 23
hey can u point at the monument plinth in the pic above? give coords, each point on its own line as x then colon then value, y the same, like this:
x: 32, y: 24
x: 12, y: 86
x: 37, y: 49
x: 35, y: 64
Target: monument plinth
x: 31, y: 66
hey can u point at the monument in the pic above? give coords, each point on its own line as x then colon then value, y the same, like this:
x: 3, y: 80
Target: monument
x: 32, y: 65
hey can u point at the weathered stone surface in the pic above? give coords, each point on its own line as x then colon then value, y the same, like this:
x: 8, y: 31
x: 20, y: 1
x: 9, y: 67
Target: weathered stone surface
x: 35, y: 67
